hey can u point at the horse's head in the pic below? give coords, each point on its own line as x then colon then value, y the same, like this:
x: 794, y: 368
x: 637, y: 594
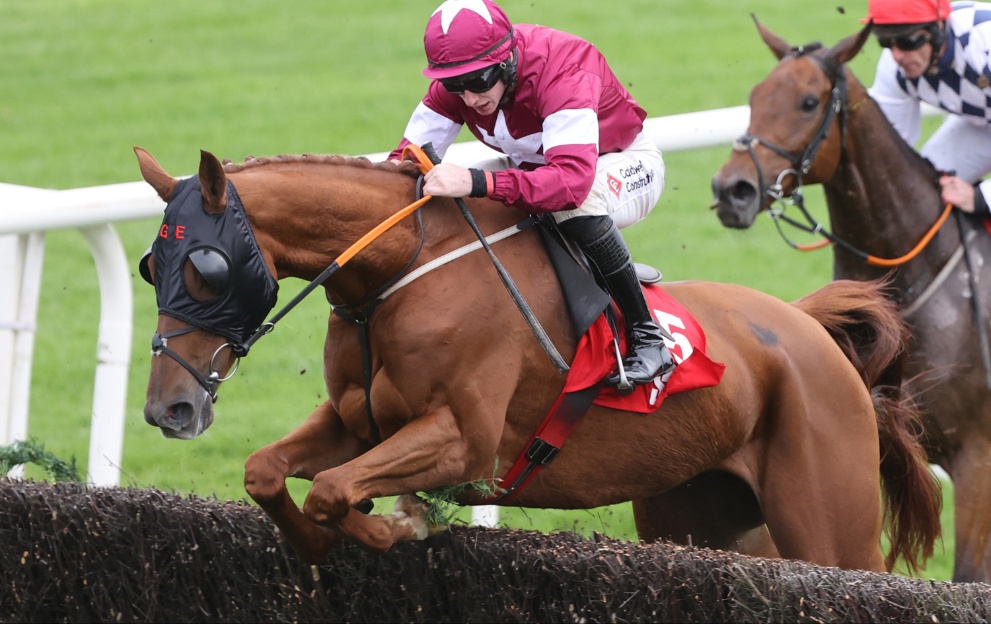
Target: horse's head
x: 213, y: 287
x: 796, y: 128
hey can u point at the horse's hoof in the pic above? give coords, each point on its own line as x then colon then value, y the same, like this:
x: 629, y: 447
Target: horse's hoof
x: 415, y: 509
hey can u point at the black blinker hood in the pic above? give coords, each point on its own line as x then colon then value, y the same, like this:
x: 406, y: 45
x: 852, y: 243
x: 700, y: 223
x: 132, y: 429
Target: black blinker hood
x: 252, y: 292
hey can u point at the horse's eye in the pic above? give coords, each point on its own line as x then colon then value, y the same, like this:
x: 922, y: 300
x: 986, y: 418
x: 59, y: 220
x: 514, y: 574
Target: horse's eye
x: 810, y: 103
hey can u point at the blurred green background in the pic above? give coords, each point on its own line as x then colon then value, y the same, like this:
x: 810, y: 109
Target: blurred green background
x: 83, y: 81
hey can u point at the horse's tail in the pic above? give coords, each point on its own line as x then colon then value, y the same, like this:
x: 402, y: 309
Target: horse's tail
x: 869, y: 329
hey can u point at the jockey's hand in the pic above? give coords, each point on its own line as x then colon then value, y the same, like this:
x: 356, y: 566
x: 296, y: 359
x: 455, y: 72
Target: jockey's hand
x: 958, y: 192
x: 447, y: 180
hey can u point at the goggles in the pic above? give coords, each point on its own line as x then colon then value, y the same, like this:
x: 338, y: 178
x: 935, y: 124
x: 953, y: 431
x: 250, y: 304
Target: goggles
x: 907, y: 43
x: 476, y: 82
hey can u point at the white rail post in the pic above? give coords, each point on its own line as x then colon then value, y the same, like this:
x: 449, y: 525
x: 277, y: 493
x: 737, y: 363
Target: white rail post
x: 113, y: 355
x: 10, y: 283
x: 93, y: 211
x: 21, y: 259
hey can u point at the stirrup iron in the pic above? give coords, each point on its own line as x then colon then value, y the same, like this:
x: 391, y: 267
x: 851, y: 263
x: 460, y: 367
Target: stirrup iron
x: 624, y: 386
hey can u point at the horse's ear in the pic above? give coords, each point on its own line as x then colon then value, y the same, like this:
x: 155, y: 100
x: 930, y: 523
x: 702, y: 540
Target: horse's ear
x: 845, y: 50
x: 154, y: 175
x: 213, y: 182
x: 778, y: 46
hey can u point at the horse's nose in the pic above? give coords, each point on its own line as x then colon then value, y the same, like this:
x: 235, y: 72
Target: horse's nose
x: 735, y: 201
x: 175, y: 417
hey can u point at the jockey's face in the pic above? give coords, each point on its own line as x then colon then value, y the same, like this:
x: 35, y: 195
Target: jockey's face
x: 487, y: 102
x: 913, y: 62
x: 913, y: 51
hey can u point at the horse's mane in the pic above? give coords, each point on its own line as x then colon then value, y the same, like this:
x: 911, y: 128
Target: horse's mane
x: 406, y: 167
x: 907, y: 151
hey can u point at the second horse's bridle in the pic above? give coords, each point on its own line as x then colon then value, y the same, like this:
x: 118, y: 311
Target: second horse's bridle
x: 801, y: 163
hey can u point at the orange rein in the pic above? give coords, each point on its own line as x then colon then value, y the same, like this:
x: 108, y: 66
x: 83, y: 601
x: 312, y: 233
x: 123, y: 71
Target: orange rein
x: 919, y: 247
x: 425, y: 166
x: 874, y: 260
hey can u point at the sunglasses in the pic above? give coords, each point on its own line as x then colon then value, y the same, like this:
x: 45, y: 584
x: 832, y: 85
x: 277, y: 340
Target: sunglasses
x: 476, y: 82
x: 906, y: 42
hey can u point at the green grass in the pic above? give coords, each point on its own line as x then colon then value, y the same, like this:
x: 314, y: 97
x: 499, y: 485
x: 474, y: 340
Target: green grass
x: 85, y: 80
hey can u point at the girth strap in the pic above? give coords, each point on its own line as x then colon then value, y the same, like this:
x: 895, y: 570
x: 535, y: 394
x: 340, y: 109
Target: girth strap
x: 547, y: 441
x: 366, y: 367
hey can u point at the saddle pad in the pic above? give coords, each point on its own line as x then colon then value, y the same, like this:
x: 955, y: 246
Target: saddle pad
x: 595, y: 357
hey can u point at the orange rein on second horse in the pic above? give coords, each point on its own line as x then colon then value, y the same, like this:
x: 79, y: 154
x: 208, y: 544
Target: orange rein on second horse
x: 892, y: 262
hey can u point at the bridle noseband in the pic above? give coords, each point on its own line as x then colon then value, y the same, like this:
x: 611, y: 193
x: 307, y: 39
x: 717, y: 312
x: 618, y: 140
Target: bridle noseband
x: 160, y: 345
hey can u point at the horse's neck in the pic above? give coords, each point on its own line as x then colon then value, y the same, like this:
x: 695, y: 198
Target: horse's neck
x: 307, y: 218
x: 882, y: 198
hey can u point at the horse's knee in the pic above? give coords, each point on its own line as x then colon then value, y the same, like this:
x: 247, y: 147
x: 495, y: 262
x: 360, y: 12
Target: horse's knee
x: 264, y: 477
x: 329, y: 500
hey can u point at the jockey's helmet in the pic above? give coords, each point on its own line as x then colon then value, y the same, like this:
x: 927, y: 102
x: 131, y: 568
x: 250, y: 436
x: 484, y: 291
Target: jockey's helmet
x: 464, y: 36
x: 883, y: 12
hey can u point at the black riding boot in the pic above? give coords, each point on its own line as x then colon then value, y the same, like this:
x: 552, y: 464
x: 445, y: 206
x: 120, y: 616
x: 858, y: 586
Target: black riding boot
x: 600, y: 240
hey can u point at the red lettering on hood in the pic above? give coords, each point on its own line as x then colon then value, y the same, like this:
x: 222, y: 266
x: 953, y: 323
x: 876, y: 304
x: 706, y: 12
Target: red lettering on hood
x: 180, y: 231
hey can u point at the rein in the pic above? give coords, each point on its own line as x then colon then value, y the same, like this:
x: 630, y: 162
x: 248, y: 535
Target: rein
x: 803, y: 163
x: 828, y: 238
x: 335, y: 266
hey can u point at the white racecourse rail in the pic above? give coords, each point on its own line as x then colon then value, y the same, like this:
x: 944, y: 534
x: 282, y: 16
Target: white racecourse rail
x: 27, y: 213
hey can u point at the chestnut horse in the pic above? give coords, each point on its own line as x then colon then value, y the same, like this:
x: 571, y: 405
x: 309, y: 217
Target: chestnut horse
x: 792, y: 438
x: 887, y: 219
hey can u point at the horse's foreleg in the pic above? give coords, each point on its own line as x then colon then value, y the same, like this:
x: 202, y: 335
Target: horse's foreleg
x: 319, y: 443
x: 379, y: 532
x: 427, y: 453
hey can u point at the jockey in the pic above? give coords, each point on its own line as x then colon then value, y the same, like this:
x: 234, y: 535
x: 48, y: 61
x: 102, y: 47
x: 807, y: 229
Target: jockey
x: 571, y: 134
x: 938, y: 53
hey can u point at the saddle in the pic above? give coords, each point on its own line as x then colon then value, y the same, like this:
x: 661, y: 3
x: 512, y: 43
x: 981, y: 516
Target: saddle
x: 601, y: 341
x: 584, y: 294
